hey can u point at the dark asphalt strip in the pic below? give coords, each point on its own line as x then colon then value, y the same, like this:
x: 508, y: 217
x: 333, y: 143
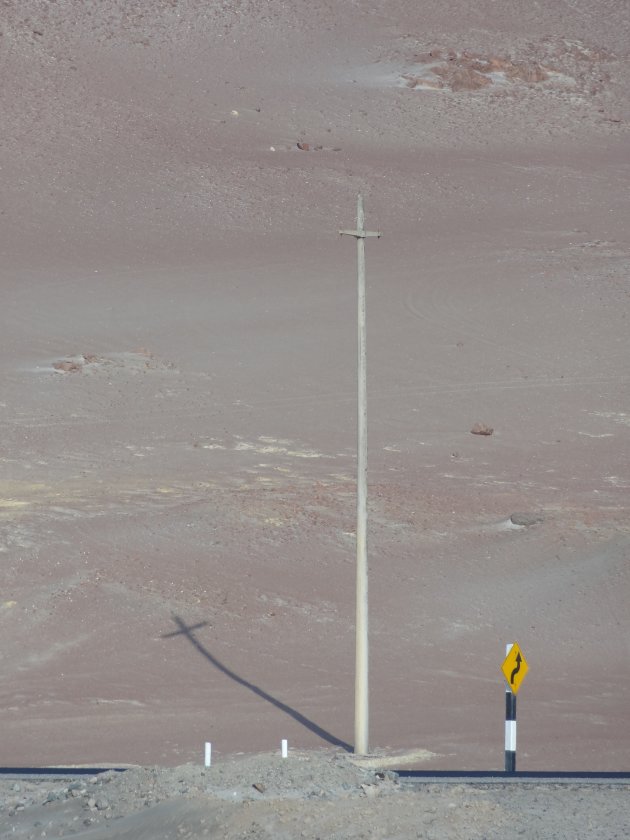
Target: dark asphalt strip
x: 55, y: 773
x: 413, y: 778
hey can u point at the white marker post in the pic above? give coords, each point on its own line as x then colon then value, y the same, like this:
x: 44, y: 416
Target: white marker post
x: 284, y: 749
x: 361, y: 696
x: 208, y: 754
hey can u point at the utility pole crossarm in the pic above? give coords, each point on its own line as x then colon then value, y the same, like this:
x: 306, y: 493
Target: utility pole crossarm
x: 360, y: 234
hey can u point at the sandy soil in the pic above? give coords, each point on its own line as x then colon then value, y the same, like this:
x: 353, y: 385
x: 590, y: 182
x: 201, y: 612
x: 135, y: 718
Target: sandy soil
x: 177, y: 360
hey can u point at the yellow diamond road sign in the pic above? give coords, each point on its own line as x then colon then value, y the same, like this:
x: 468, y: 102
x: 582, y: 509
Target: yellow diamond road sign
x: 514, y: 668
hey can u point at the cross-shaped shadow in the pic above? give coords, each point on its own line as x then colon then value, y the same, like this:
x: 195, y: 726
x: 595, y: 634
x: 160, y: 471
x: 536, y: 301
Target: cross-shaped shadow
x: 188, y: 633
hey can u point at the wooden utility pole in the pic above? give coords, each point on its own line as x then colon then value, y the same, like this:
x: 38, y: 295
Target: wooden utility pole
x: 361, y: 695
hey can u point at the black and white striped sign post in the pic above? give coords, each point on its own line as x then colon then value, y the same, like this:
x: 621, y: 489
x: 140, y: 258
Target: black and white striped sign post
x: 514, y: 669
x: 510, y: 730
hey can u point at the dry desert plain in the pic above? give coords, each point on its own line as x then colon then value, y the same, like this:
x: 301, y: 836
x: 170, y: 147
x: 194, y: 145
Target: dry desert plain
x: 178, y: 378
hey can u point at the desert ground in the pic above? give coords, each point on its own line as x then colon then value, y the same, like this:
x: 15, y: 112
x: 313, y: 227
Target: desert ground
x: 178, y: 378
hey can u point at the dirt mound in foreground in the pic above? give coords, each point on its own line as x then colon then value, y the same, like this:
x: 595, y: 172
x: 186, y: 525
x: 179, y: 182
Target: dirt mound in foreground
x: 309, y: 794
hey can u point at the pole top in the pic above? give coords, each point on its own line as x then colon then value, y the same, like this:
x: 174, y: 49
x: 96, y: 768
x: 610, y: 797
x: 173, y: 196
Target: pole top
x: 360, y: 232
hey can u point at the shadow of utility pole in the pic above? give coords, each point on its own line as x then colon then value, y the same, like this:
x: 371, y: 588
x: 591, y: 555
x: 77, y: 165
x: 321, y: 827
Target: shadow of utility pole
x: 188, y: 632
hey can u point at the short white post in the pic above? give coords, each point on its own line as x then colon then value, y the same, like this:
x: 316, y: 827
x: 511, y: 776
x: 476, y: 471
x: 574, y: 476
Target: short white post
x: 208, y: 755
x: 285, y: 748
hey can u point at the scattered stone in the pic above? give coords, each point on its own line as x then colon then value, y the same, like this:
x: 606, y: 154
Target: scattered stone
x: 525, y: 520
x: 259, y: 787
x: 66, y: 366
x: 462, y: 78
x: 304, y: 147
x: 133, y: 363
x: 481, y: 429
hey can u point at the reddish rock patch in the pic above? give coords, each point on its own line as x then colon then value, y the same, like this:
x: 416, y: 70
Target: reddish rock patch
x: 460, y: 71
x: 66, y: 366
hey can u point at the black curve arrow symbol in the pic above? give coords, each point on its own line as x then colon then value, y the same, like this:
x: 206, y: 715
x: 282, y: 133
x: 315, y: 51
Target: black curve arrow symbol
x: 517, y: 669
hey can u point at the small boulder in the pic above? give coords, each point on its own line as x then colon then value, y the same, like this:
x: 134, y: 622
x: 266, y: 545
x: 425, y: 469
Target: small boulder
x: 525, y: 520
x: 67, y: 366
x: 481, y: 429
